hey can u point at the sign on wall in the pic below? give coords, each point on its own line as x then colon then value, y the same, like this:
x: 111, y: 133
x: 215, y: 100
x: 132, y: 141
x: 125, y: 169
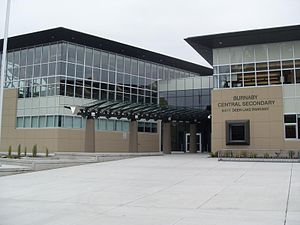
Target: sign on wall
x: 245, y: 103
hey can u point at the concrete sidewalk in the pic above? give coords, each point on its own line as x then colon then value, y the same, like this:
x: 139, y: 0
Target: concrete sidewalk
x: 181, y: 189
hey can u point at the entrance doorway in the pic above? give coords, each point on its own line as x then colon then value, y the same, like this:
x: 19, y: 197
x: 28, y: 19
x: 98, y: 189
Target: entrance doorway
x: 198, y: 142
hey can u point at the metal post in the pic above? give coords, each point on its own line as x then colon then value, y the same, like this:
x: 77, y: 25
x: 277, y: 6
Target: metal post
x: 3, y: 67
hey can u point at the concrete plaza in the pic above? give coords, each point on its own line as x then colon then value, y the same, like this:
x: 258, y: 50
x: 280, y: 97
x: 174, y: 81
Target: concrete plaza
x: 181, y: 189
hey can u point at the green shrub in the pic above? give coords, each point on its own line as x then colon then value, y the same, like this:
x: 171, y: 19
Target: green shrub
x: 213, y: 154
x: 9, y: 152
x: 34, y: 151
x: 47, y: 152
x: 19, y: 150
x: 266, y: 155
x: 25, y: 151
x: 291, y: 154
x: 253, y: 155
x: 244, y: 154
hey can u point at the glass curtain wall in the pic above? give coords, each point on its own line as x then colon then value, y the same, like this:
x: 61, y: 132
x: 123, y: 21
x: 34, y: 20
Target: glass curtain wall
x: 257, y: 65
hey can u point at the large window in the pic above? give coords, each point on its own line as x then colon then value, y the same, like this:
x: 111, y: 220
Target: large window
x: 237, y: 132
x: 292, y: 126
x: 257, y: 65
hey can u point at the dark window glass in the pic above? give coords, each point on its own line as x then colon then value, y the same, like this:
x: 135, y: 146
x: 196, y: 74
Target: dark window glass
x: 127, y: 89
x: 120, y: 64
x: 70, y: 81
x: 62, y: 52
x: 53, y: 49
x: 288, y: 64
x: 79, y: 71
x: 275, y: 77
x: 104, y: 76
x: 119, y: 96
x: 298, y: 76
x: 71, y: 70
x: 111, y: 78
x: 96, y: 93
x: 45, y: 54
x: 104, y: 86
x: 141, y: 82
x: 134, y: 90
x: 134, y: 81
x: 126, y: 97
x: 111, y: 87
x: 148, y: 70
x: 36, y: 71
x: 88, y: 73
x: 29, y: 71
x: 63, y: 68
x: 236, y: 68
x: 262, y: 66
x: 104, y: 60
x: 71, y: 53
x: 89, y: 57
x: 111, y: 96
x: 133, y: 98
x: 70, y: 90
x: 141, y: 68
x: 23, y: 57
x: 141, y: 127
x: 249, y: 67
x: 134, y: 67
x: 87, y: 92
x: 237, y: 132
x: 16, y: 58
x: 78, y: 91
x: 112, y: 62
x: 30, y: 56
x: 147, y: 127
x: 127, y: 79
x: 288, y: 76
x: 290, y: 131
x: 96, y: 60
x: 262, y: 78
x: 127, y: 65
x: 44, y: 71
x: 154, y: 100
x: 298, y: 126
x: 154, y: 72
x: 120, y: 77
x: 96, y: 74
x: 103, y: 94
x: 297, y: 63
x: 37, y: 55
x: 237, y: 80
x: 61, y: 89
x: 223, y: 69
x: 120, y: 88
x: 80, y: 55
x: 291, y: 118
x: 141, y: 99
x: 274, y: 65
x: 52, y: 68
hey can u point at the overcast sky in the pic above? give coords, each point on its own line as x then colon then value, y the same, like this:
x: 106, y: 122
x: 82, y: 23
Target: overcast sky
x: 156, y: 25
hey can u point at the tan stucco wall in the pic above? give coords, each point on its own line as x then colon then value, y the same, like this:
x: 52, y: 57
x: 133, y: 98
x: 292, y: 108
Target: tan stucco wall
x: 64, y: 140
x: 266, y: 127
x: 148, y: 142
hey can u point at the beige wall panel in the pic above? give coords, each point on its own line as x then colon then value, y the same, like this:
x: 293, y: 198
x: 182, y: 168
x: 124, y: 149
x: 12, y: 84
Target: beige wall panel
x: 111, y: 141
x: 266, y: 124
x: 218, y: 130
x: 148, y: 142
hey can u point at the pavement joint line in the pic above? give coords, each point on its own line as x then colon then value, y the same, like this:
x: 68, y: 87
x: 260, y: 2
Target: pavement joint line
x: 227, y: 186
x: 148, y: 195
x: 288, y: 196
